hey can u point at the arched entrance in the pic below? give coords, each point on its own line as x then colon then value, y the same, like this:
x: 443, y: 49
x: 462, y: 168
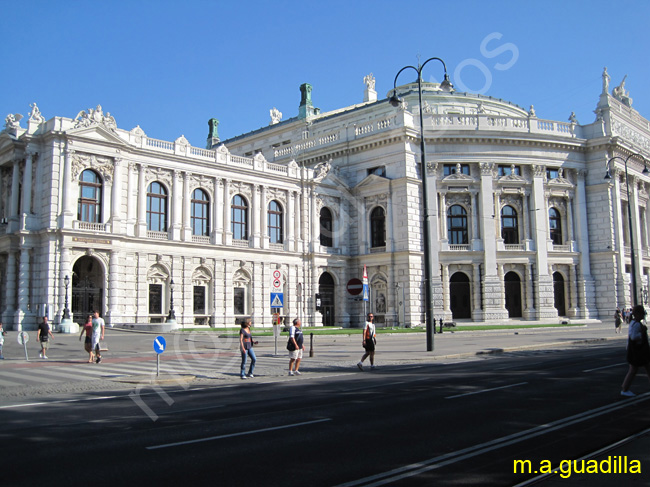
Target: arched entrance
x: 559, y: 293
x: 459, y: 296
x: 326, y: 289
x: 87, y: 288
x: 512, y: 286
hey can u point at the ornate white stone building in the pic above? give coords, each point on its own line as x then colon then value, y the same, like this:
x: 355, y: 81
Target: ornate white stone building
x: 524, y: 225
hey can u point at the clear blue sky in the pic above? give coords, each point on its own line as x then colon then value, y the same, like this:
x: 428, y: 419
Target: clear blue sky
x: 169, y: 66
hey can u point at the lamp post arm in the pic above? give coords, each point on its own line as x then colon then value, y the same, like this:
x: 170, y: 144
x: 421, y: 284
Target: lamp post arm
x: 400, y: 72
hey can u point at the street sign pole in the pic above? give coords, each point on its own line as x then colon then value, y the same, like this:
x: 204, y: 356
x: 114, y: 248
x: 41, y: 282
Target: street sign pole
x: 159, y: 345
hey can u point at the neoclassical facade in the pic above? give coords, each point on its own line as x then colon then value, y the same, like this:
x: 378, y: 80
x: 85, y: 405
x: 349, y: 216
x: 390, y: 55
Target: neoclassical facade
x: 524, y: 226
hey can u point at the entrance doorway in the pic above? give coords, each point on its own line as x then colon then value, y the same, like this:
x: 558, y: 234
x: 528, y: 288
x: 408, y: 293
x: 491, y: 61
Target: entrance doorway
x: 512, y: 286
x: 87, y: 288
x: 559, y: 293
x: 459, y: 296
x: 326, y: 289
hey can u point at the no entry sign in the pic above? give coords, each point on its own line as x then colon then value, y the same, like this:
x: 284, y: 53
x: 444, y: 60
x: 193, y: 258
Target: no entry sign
x: 355, y: 286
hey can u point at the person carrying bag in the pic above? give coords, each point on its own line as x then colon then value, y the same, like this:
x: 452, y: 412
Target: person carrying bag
x: 638, y: 349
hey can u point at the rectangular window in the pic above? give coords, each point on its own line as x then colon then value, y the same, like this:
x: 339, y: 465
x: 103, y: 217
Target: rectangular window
x: 509, y: 171
x: 378, y: 171
x: 450, y: 169
x: 239, y: 300
x: 199, y: 300
x: 155, y: 299
x: 552, y: 173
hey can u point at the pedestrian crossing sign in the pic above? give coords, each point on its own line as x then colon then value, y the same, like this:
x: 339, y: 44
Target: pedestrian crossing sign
x: 277, y: 300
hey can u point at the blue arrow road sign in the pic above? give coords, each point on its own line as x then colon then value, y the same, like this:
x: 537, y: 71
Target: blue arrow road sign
x: 159, y: 344
x: 366, y: 294
x: 277, y: 300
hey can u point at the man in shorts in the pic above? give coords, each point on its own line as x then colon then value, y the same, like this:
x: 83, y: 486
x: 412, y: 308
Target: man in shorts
x: 295, y: 355
x: 98, y: 334
x: 44, y: 334
x: 369, y: 339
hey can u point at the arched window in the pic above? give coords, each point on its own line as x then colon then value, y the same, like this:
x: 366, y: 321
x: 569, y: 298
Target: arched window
x: 509, y: 225
x: 326, y: 233
x: 276, y: 230
x: 555, y: 226
x: 378, y: 227
x: 90, y: 197
x: 457, y: 225
x: 156, y: 208
x: 200, y: 213
x: 239, y: 218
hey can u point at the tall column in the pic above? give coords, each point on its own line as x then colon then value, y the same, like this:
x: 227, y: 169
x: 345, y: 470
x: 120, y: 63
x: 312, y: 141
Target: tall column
x: 476, y: 242
x: 264, y: 219
x: 10, y: 294
x: 445, y: 291
x: 114, y: 278
x: 291, y: 221
x: 492, y: 285
x: 177, y: 200
x: 497, y: 215
x: 569, y: 221
x: 635, y: 233
x: 343, y: 228
x: 389, y: 224
x: 544, y: 289
x: 363, y: 223
x: 525, y: 219
x: 21, y: 315
x: 573, y: 310
x: 187, y: 209
x: 67, y: 215
x: 477, y: 314
x: 142, y: 201
x: 443, y: 218
x: 255, y: 217
x: 15, y: 190
x: 116, y: 217
x: 27, y: 184
x: 131, y: 205
x: 619, y: 242
x: 586, y: 284
x: 217, y: 216
x: 529, y: 311
x: 227, y: 230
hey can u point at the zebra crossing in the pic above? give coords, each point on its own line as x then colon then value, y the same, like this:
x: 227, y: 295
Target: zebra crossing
x: 42, y: 373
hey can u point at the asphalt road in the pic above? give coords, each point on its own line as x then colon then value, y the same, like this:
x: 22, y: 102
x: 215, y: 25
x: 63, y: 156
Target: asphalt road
x: 449, y: 423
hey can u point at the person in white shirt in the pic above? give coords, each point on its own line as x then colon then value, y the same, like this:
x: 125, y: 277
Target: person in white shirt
x: 369, y: 341
x: 98, y: 334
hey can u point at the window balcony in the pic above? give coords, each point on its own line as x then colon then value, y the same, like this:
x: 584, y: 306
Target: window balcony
x: 459, y: 247
x: 200, y: 239
x: 157, y: 235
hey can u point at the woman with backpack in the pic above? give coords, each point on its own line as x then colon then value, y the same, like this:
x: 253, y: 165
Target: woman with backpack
x: 638, y: 349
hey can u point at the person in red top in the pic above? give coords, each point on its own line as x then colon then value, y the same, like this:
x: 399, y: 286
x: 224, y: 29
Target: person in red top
x: 88, y: 344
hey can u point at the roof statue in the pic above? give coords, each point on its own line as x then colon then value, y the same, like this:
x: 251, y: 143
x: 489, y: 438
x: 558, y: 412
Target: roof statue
x: 35, y: 115
x: 12, y: 122
x: 95, y: 117
x: 276, y: 116
x: 573, y: 118
x: 606, y: 79
x: 213, y: 133
x: 621, y: 94
x: 531, y: 112
x: 369, y: 80
x: 321, y: 170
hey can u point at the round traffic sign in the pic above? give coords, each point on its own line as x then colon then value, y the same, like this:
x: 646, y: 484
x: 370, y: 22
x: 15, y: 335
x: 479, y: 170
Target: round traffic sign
x: 276, y: 274
x: 277, y: 284
x: 159, y: 344
x: 355, y: 286
x: 23, y: 337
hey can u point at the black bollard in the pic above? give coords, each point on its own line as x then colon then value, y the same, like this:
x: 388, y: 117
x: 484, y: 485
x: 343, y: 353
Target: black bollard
x: 440, y: 325
x: 311, y: 344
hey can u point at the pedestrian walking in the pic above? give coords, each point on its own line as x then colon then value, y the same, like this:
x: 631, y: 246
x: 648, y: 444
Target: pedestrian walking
x: 618, y: 320
x: 369, y: 342
x: 295, y: 346
x: 98, y: 334
x: 2, y: 340
x: 246, y: 348
x: 638, y: 349
x: 88, y: 343
x: 43, y: 335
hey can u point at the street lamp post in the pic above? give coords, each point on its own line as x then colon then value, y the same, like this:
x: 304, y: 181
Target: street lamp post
x: 629, y: 215
x: 66, y: 310
x: 428, y: 273
x: 171, y: 316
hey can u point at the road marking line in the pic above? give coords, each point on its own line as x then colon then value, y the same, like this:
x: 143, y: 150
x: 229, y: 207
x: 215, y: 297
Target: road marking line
x: 606, y: 367
x: 472, y: 451
x: 486, y: 390
x: 243, y: 433
x: 48, y: 403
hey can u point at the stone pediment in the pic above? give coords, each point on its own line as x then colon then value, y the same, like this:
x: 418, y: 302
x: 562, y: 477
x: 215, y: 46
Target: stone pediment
x: 512, y: 178
x: 560, y: 182
x: 458, y: 177
x: 370, y: 180
x: 97, y: 133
